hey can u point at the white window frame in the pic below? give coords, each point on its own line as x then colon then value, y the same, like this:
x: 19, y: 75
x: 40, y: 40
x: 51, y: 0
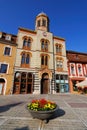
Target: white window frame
x: 10, y: 51
x: 59, y: 64
x: 7, y: 67
x: 8, y: 37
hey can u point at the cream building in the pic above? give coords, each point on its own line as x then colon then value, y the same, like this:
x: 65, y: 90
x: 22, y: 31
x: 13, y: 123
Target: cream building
x: 41, y: 65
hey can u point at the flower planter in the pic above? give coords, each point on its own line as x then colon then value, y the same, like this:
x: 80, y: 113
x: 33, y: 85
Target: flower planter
x: 42, y: 109
x: 42, y: 115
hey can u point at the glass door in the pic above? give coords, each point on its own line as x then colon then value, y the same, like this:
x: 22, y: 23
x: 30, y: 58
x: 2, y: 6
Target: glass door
x: 62, y: 88
x: 1, y: 87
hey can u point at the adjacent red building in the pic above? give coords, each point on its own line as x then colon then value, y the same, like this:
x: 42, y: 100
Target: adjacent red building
x: 77, y: 68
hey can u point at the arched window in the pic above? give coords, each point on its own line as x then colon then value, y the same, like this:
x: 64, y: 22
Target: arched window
x: 38, y: 23
x: 27, y: 59
x: 23, y: 59
x: 24, y: 42
x: 72, y: 70
x: 44, y: 45
x: 59, y: 49
x: 17, y: 76
x: 59, y: 64
x: 23, y: 83
x: 43, y: 22
x: 79, y: 69
x: 44, y: 60
x: 27, y: 43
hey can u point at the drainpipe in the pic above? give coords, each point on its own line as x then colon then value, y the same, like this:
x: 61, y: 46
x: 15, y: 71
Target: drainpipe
x: 54, y: 67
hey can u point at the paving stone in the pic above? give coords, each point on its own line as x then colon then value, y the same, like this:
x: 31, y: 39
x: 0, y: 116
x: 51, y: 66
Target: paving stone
x: 72, y: 113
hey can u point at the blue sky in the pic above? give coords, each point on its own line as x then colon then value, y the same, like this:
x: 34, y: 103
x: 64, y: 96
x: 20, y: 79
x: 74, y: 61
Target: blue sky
x: 68, y: 19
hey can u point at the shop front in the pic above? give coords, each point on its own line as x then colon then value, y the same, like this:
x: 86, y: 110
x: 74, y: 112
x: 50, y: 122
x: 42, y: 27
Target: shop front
x: 62, y: 84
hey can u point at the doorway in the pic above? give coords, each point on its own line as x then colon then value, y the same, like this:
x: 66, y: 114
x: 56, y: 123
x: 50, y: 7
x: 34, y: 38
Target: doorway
x: 2, y: 82
x: 45, y: 83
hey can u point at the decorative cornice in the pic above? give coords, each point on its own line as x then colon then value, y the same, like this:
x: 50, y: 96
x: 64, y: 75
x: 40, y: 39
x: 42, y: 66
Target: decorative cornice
x: 59, y: 38
x: 27, y: 30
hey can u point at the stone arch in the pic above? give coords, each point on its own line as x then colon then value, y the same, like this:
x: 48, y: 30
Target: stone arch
x: 45, y: 83
x: 2, y: 86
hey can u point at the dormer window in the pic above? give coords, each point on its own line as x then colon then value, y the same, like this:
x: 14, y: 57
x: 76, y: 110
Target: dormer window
x: 8, y: 37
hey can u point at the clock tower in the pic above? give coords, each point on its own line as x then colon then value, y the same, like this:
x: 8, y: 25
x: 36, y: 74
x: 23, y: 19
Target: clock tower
x: 42, y: 22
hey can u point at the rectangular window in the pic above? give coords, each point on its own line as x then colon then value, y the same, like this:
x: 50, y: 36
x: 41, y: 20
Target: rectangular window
x: 72, y: 70
x: 79, y: 70
x: 43, y: 22
x: 38, y: 23
x: 57, y: 77
x: 58, y: 49
x: 7, y: 51
x: 3, y: 68
x: 59, y: 64
x: 8, y: 37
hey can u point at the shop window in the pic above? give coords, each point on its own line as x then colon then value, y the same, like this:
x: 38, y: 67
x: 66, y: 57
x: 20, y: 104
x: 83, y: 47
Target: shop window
x: 61, y: 77
x: 23, y: 83
x: 17, y: 76
x: 57, y: 88
x: 57, y: 77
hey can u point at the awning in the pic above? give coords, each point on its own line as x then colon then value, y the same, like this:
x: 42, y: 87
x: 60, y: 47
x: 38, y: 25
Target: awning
x: 82, y: 84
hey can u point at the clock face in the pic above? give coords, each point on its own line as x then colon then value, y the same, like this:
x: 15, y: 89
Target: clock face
x: 44, y: 34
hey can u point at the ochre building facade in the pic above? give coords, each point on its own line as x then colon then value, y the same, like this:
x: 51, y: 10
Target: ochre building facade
x: 7, y: 60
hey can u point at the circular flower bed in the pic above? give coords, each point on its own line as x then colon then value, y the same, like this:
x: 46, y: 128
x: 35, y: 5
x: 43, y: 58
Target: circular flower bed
x: 41, y: 105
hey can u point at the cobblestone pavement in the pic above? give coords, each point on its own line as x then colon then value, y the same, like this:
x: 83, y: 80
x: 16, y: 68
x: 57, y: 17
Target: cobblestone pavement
x: 71, y: 115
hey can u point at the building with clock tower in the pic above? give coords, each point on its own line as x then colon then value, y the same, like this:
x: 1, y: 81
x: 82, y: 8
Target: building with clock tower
x: 41, y: 64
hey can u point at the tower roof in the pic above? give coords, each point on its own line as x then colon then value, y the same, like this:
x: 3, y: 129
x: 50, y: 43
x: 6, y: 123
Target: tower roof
x: 42, y: 13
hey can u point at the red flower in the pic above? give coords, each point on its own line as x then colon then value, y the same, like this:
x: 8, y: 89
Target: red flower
x: 42, y: 102
x: 34, y: 101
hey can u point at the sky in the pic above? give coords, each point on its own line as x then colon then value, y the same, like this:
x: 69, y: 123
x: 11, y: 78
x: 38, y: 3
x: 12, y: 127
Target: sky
x: 68, y: 19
